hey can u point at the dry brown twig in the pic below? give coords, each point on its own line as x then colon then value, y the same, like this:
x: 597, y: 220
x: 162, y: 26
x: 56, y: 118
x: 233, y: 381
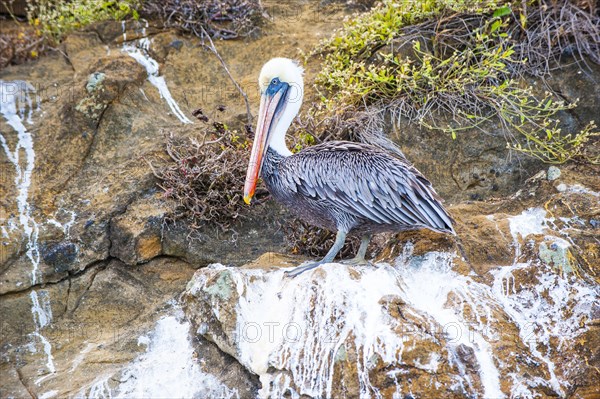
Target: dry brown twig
x: 214, y: 50
x: 204, y: 177
x: 222, y: 19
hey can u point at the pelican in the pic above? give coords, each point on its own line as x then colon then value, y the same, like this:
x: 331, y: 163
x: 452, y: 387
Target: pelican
x: 339, y: 185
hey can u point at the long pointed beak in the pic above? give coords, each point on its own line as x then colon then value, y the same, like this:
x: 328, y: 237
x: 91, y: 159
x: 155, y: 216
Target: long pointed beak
x: 268, y: 111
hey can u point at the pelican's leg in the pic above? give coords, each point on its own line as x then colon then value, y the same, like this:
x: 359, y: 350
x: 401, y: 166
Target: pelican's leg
x: 359, y: 259
x: 340, y: 238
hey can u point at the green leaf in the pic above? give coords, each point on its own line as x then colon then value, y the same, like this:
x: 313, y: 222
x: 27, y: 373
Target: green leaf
x: 497, y: 24
x: 523, y: 20
x: 502, y: 11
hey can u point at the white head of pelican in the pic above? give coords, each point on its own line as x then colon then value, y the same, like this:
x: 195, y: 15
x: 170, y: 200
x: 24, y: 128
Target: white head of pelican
x: 281, y: 88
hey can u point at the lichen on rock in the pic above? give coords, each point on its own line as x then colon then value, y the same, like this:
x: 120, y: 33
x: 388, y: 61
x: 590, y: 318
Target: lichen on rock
x: 95, y: 81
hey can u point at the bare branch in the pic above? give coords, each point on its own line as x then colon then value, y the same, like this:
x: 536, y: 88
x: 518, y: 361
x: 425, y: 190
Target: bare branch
x: 213, y: 49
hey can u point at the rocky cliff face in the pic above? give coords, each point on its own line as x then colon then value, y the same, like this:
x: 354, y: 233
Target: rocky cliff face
x: 90, y: 277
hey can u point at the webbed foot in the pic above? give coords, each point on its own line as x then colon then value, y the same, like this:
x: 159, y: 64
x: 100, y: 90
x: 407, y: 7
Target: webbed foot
x: 333, y: 251
x: 302, y: 268
x: 356, y: 261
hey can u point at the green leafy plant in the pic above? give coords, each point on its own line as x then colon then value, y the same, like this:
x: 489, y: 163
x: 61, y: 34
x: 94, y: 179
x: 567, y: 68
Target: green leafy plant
x: 452, y: 65
x: 56, y: 18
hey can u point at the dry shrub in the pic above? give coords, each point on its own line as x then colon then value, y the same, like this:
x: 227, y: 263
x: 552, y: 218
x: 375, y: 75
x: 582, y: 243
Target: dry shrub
x: 221, y: 19
x: 205, y: 177
x: 19, y: 43
x: 542, y: 35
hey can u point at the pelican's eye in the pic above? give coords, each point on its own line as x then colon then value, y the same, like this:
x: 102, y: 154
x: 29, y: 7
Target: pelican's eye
x: 275, y: 82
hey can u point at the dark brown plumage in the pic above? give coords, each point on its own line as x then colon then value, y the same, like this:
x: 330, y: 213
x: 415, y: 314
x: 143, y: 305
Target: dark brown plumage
x: 356, y: 188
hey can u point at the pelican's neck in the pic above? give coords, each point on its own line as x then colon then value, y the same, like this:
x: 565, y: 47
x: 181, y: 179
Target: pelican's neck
x: 277, y: 143
x: 292, y: 107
